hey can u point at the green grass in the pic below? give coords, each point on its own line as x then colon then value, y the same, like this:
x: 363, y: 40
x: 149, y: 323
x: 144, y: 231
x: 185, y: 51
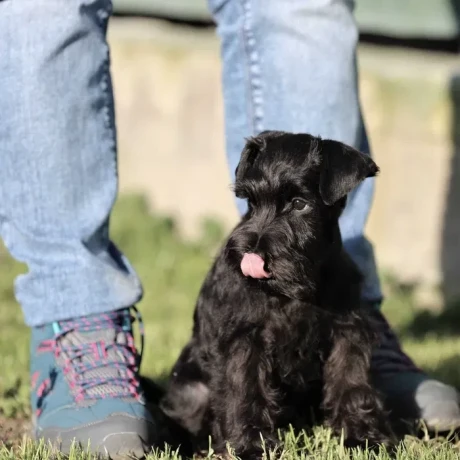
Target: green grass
x: 172, y: 271
x: 296, y: 446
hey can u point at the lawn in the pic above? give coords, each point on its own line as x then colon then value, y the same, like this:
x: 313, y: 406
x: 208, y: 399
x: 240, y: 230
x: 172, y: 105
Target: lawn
x: 172, y: 271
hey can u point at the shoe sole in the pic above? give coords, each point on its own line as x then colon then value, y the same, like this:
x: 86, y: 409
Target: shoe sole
x: 118, y: 437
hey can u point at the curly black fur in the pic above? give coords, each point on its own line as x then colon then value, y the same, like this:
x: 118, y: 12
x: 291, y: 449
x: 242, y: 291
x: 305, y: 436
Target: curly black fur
x: 268, y: 352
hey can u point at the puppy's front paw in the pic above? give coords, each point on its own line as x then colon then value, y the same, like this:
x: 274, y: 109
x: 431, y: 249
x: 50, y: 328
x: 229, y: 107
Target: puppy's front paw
x: 371, y: 432
x: 254, y: 450
x: 369, y: 441
x: 361, y: 416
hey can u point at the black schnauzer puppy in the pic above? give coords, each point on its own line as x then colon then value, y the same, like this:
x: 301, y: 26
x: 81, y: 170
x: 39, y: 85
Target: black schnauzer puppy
x: 279, y: 331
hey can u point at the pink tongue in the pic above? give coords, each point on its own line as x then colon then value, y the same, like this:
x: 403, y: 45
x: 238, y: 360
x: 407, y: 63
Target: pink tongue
x: 253, y: 265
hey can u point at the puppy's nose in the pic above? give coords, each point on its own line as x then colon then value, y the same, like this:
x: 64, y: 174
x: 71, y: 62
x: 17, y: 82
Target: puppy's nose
x: 253, y: 265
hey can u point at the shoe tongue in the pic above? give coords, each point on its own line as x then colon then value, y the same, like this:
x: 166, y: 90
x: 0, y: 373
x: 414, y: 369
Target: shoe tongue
x: 103, y: 373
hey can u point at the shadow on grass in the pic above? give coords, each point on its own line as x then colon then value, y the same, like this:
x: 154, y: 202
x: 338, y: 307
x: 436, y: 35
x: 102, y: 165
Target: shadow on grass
x: 443, y: 324
x: 448, y: 370
x: 413, y: 322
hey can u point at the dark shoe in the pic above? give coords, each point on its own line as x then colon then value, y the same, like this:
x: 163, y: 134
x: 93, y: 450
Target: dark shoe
x: 409, y: 392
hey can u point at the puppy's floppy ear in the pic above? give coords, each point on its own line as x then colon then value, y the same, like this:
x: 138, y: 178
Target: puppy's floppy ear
x: 252, y: 148
x: 342, y: 169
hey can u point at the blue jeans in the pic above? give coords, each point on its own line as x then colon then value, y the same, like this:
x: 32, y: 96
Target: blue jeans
x: 288, y: 65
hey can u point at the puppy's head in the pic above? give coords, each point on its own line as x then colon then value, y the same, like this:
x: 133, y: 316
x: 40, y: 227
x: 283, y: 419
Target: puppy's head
x: 296, y: 187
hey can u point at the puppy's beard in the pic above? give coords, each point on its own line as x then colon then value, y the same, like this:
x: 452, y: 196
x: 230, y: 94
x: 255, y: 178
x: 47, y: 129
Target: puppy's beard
x: 291, y: 272
x: 291, y: 278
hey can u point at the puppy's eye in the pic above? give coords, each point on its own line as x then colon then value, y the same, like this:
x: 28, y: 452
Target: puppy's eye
x: 299, y: 204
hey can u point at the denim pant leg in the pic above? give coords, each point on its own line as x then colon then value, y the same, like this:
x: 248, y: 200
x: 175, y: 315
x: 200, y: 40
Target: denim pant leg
x: 58, y: 172
x: 291, y: 65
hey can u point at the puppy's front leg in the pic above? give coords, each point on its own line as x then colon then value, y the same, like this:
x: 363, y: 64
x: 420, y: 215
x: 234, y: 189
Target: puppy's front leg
x: 244, y: 402
x: 350, y: 402
x: 187, y: 395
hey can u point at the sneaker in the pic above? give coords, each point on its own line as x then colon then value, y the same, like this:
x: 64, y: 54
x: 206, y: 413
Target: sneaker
x: 86, y: 386
x: 409, y: 392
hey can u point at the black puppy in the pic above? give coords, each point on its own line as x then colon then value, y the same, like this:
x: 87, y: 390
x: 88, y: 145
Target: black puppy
x: 279, y: 329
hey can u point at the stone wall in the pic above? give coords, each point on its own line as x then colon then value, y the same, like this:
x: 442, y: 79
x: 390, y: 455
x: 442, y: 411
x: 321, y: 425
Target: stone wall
x: 409, y: 104
x: 170, y: 120
x: 171, y: 142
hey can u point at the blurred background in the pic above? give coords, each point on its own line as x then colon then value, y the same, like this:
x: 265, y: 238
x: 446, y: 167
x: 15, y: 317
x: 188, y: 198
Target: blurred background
x: 166, y: 70
x: 175, y: 203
